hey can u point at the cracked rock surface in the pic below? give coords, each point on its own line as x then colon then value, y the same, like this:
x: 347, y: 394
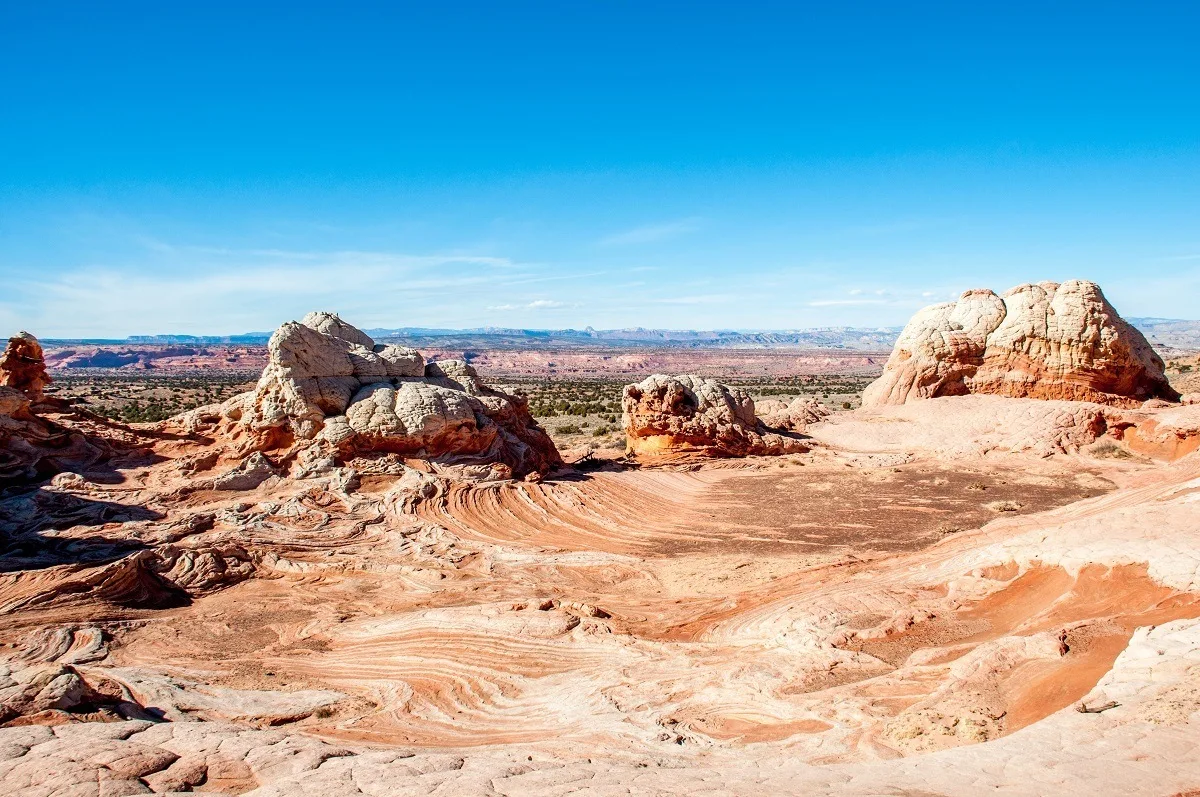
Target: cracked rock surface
x: 1044, y: 340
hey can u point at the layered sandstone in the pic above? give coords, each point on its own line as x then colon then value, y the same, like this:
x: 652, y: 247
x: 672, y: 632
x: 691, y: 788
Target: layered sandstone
x: 1043, y: 341
x: 22, y: 366
x: 797, y: 625
x: 332, y: 391
x: 918, y: 605
x: 32, y: 446
x: 672, y: 415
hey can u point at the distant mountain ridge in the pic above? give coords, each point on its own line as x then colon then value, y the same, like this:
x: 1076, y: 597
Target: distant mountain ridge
x: 1164, y: 333
x: 1169, y: 333
x: 864, y: 338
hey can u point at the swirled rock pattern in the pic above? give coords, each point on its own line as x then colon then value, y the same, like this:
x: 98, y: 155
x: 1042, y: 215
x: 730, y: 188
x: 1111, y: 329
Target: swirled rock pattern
x: 795, y: 625
x: 684, y: 415
x: 330, y: 390
x: 1045, y: 341
x: 918, y: 605
x: 32, y: 446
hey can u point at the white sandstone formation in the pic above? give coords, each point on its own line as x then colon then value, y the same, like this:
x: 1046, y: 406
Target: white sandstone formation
x: 328, y: 387
x: 1044, y: 341
x: 671, y: 415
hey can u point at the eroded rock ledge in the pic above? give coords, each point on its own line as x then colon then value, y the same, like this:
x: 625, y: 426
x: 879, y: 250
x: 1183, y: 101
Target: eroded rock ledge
x: 33, y: 446
x: 692, y: 415
x: 1043, y: 341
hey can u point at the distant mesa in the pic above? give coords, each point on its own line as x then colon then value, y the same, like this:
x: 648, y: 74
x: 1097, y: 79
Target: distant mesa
x: 330, y: 391
x: 1043, y: 341
x: 671, y: 416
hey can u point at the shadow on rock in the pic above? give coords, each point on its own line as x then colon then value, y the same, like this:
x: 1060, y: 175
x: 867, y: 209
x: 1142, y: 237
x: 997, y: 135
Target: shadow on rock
x: 24, y: 517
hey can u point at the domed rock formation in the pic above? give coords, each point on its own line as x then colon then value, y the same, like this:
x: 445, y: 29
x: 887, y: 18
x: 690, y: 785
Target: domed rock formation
x: 794, y: 416
x: 673, y: 415
x: 329, y: 387
x: 1044, y: 341
x: 22, y: 366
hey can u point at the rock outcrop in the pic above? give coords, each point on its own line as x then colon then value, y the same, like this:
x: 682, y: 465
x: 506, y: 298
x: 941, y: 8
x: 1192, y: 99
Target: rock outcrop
x: 22, y: 366
x: 673, y: 415
x: 1043, y: 341
x: 794, y: 416
x: 32, y: 446
x: 328, y: 387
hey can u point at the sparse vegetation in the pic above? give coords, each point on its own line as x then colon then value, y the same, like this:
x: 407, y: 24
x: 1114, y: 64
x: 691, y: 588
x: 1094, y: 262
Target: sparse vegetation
x: 592, y: 407
x: 1109, y: 449
x: 147, y: 398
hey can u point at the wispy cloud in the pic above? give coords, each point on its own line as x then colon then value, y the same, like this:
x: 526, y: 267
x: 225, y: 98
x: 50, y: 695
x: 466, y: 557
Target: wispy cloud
x: 708, y: 299
x: 356, y: 256
x: 536, y: 304
x: 215, y: 290
x: 652, y: 233
x: 846, y: 302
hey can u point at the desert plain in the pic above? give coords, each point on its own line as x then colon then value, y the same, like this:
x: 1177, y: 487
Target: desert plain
x: 349, y: 567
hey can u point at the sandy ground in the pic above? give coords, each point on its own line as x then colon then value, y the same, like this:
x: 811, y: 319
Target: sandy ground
x: 917, y: 606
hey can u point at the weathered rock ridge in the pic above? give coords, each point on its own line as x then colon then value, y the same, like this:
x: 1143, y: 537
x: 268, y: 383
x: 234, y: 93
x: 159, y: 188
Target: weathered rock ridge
x: 331, y: 391
x: 1044, y: 341
x: 672, y: 415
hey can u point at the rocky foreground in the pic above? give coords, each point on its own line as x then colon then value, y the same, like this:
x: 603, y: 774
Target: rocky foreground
x: 343, y: 583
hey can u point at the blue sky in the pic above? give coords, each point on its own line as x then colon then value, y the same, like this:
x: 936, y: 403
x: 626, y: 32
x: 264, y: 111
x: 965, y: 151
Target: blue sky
x: 224, y: 167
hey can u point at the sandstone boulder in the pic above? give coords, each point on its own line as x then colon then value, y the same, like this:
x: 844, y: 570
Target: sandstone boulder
x: 331, y: 325
x: 1044, y: 341
x: 328, y: 385
x: 674, y: 415
x: 22, y: 366
x: 246, y: 475
x: 792, y: 417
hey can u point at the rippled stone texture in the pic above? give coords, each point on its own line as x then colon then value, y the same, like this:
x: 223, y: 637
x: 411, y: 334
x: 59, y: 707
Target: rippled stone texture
x: 671, y: 415
x: 1044, y: 341
x: 331, y: 390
